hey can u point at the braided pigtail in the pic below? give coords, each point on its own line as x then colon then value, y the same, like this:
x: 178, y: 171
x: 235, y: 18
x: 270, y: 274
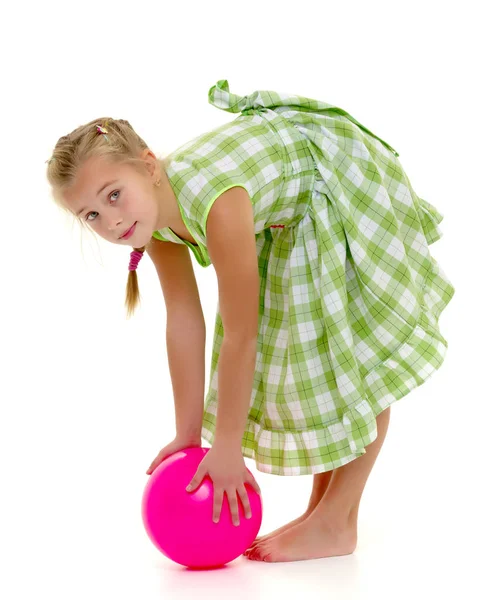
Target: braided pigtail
x: 132, y: 290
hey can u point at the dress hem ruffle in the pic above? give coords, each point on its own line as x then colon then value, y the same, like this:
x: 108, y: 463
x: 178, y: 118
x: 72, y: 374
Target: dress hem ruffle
x: 311, y: 451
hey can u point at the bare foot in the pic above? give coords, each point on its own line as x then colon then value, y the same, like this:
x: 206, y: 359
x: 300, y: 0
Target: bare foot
x: 315, y: 499
x: 278, y: 531
x: 312, y: 538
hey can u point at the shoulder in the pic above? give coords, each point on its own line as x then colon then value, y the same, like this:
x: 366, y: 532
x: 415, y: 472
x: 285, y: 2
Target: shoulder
x: 232, y: 211
x: 230, y: 230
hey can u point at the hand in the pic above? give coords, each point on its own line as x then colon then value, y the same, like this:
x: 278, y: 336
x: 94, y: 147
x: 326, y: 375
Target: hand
x: 227, y: 470
x: 179, y: 443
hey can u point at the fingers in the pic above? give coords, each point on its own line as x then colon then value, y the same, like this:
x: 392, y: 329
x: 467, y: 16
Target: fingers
x: 153, y: 465
x: 195, y: 482
x: 254, y: 484
x: 164, y: 453
x: 217, y: 503
x: 232, y: 497
x: 233, y: 500
x: 243, y: 494
x: 233, y: 503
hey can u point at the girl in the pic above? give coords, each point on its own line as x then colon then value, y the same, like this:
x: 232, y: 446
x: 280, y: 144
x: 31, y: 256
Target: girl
x: 329, y: 298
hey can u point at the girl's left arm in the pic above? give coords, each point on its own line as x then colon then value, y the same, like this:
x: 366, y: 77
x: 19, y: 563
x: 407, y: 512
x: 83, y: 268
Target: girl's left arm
x: 231, y: 245
x: 235, y: 382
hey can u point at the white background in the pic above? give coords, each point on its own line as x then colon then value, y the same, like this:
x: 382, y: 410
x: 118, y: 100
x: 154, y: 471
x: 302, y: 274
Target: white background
x: 86, y: 400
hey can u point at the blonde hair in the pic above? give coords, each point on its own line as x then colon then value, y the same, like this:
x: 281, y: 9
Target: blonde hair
x: 123, y: 145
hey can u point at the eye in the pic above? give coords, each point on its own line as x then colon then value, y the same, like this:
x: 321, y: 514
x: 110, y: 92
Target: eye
x: 94, y: 211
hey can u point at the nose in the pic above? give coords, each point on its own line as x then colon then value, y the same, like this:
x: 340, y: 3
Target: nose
x: 115, y: 226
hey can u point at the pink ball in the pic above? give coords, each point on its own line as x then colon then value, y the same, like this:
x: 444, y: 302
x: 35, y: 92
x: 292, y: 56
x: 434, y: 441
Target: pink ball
x: 180, y: 523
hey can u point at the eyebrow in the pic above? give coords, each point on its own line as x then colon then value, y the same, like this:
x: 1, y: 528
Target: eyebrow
x: 98, y: 193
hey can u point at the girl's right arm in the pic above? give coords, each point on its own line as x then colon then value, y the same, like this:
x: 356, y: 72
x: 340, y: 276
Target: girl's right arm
x: 185, y: 334
x: 186, y: 357
x: 185, y: 341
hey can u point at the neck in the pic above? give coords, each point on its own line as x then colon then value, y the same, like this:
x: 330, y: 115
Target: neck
x: 168, y: 212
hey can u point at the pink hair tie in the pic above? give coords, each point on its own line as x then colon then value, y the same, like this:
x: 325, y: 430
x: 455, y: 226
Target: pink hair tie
x: 135, y: 258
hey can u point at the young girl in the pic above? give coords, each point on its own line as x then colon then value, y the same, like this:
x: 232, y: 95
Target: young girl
x: 329, y: 298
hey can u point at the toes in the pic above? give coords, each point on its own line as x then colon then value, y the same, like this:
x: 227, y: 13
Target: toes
x: 254, y: 543
x: 259, y: 552
x: 256, y: 553
x: 267, y: 557
x: 257, y: 541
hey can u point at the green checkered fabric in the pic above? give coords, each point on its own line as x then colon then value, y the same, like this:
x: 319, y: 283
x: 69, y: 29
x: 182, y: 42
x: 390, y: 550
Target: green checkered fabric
x: 350, y: 294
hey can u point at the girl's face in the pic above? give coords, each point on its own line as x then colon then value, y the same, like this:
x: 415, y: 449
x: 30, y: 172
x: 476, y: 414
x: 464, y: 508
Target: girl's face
x: 110, y: 198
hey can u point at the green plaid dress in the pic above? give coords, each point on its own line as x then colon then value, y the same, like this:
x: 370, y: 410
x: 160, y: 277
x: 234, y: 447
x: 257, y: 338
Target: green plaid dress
x: 350, y: 294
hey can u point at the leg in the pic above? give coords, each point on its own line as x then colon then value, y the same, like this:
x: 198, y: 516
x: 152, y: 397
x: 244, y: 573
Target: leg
x: 340, y: 503
x: 331, y: 528
x: 320, y: 485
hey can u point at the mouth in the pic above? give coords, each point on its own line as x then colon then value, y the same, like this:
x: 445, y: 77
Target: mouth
x: 128, y: 232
